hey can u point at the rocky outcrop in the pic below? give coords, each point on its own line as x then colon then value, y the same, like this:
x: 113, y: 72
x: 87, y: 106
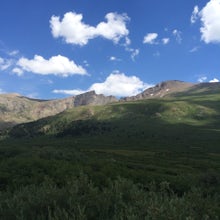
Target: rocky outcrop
x: 91, y: 98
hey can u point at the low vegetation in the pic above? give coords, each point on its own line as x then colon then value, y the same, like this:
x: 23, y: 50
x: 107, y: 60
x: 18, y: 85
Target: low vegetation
x: 148, y: 159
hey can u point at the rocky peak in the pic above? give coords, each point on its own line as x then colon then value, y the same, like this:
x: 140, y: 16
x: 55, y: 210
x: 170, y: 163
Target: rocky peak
x: 161, y: 89
x: 91, y: 98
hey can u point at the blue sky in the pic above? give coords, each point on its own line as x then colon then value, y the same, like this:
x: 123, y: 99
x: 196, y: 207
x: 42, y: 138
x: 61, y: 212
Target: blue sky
x: 53, y: 48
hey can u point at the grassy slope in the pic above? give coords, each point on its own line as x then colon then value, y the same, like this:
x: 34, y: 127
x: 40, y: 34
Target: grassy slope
x: 164, y: 138
x: 174, y: 139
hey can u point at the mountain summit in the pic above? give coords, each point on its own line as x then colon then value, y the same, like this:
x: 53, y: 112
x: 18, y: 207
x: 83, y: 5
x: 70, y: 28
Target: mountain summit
x: 161, y: 90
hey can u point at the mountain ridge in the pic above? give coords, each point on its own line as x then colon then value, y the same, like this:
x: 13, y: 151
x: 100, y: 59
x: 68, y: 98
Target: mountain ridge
x: 16, y: 109
x: 161, y: 90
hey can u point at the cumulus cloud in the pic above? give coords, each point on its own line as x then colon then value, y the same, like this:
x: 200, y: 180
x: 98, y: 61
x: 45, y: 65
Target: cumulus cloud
x: 177, y: 34
x: 56, y: 65
x: 74, y: 31
x: 150, y: 38
x: 195, y: 14
x: 5, y: 63
x: 210, y: 20
x: 210, y: 17
x: 117, y: 84
x: 214, y: 80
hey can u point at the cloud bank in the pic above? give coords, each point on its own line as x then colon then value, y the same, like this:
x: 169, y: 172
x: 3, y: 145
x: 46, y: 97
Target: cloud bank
x: 74, y: 31
x: 116, y: 84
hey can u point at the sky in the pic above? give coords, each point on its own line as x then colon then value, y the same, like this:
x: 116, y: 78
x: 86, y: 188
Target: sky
x: 58, y: 48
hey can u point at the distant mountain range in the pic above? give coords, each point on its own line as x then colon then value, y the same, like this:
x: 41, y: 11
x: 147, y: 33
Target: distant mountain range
x: 15, y: 109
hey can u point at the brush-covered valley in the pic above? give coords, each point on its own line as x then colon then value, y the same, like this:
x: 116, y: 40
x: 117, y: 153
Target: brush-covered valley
x: 142, y: 158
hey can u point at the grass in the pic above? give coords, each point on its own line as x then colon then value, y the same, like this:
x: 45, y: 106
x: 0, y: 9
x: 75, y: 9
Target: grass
x: 174, y: 140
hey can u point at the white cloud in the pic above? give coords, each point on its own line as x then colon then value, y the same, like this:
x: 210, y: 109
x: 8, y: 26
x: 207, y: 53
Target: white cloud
x: 134, y: 52
x: 113, y: 58
x: 210, y: 18
x: 69, y: 92
x: 115, y: 27
x: 214, y: 80
x: 74, y: 31
x: 5, y: 63
x: 86, y: 63
x: 150, y: 38
x: 127, y: 41
x: 56, y: 65
x: 177, y: 34
x: 18, y: 71
x: 165, y: 40
x: 194, y: 49
x: 13, y: 53
x: 195, y: 14
x: 202, y: 79
x: 116, y: 84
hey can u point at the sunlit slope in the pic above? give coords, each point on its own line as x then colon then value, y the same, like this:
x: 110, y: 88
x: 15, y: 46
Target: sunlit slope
x: 185, y: 119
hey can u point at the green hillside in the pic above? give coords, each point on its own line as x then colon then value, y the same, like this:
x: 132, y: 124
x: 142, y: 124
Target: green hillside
x: 147, y: 159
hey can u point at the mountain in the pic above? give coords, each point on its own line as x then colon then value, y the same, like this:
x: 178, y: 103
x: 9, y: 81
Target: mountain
x: 91, y: 98
x: 161, y: 90
x: 168, y: 147
x: 15, y: 109
x: 187, y: 104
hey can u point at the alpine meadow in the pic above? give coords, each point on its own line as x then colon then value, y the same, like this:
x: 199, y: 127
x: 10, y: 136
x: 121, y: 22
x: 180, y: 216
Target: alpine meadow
x: 152, y: 158
x: 110, y: 110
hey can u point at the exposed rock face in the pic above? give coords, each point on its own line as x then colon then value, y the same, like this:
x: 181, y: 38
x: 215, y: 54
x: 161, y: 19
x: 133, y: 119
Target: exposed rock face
x: 91, y: 98
x: 162, y: 89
